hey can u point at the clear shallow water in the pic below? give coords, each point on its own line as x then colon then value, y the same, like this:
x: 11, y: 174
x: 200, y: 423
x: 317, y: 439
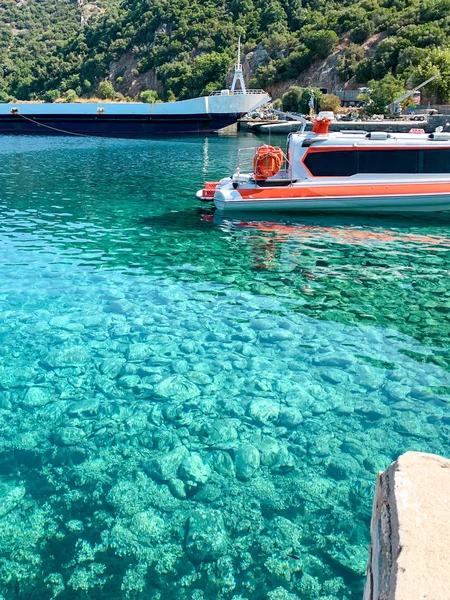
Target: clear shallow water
x: 192, y: 406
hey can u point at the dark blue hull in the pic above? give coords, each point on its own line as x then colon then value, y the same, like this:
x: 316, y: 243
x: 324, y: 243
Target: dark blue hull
x: 125, y: 126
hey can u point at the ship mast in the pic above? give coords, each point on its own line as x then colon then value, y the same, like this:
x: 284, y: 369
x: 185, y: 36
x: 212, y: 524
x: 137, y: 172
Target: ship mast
x: 238, y: 76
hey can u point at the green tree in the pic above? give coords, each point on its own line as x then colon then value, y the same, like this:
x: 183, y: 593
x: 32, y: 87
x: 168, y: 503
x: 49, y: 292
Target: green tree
x: 436, y: 60
x: 51, y: 95
x: 383, y: 92
x: 149, y: 96
x: 362, y: 31
x: 292, y: 99
x: 330, y: 102
x: 70, y: 96
x: 321, y: 43
x: 106, y: 90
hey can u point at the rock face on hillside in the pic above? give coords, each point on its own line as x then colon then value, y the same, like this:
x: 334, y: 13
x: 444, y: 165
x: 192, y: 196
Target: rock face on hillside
x: 124, y: 75
x: 410, y: 552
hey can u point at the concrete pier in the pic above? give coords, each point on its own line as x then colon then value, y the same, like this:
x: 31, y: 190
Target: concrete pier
x: 391, y: 126
x: 409, y: 557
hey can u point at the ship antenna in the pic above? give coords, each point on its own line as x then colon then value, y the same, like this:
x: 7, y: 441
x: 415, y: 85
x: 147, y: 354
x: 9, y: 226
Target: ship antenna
x: 238, y: 76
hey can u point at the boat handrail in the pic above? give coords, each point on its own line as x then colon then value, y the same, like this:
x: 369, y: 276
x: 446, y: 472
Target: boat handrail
x: 237, y: 92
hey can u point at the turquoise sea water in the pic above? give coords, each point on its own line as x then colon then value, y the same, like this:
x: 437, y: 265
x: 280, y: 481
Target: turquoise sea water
x: 194, y: 407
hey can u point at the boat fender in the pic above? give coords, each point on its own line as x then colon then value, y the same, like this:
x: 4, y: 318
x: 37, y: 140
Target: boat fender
x: 378, y: 135
x: 443, y: 137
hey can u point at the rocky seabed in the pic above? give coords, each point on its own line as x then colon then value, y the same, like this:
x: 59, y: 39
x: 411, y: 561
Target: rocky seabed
x: 171, y: 440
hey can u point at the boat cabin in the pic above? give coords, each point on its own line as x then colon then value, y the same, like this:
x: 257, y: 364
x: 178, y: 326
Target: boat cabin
x: 360, y: 154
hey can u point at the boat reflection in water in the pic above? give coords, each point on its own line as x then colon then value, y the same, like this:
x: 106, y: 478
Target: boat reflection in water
x: 268, y: 237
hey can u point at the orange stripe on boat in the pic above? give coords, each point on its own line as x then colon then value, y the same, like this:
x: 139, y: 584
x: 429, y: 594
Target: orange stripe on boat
x: 345, y: 191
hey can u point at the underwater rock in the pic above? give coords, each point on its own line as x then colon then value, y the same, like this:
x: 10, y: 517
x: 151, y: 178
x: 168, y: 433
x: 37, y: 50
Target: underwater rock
x: 411, y: 426
x: 290, y: 417
x: 84, y: 408
x: 166, y: 465
x: 199, y: 378
x: 286, y: 461
x: 177, y: 388
x: 342, y: 466
x: 129, y: 381
x: 269, y: 450
x: 351, y: 558
x: 223, y: 464
x: 208, y: 493
x: 374, y: 410
x: 177, y: 488
x: 148, y: 527
x: 263, y: 410
x: 219, y: 434
x: 112, y: 366
x: 68, y: 357
x: 194, y: 471
x: 139, y: 352
x: 279, y: 335
x: 281, y: 593
x: 36, y: 397
x: 120, y: 307
x: 247, y: 462
x: 10, y: 497
x: 69, y: 436
x: 206, y: 538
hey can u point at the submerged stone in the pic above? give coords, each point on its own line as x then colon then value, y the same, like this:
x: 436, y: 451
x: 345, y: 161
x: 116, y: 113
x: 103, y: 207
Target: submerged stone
x: 36, y: 397
x: 139, y: 352
x: 166, y: 465
x: 247, y: 462
x: 219, y: 434
x: 177, y: 488
x: 290, y: 417
x: 129, y: 381
x: 223, y: 464
x: 112, y: 366
x: 69, y: 436
x: 10, y: 497
x: 84, y: 408
x: 263, y: 410
x: 193, y: 470
x: 177, y: 388
x: 206, y: 538
x: 69, y: 357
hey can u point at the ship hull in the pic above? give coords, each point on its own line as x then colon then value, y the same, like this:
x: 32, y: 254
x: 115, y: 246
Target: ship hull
x: 207, y: 114
x: 115, y: 125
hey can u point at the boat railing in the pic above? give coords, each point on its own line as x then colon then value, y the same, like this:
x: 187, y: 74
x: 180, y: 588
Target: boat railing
x: 237, y: 93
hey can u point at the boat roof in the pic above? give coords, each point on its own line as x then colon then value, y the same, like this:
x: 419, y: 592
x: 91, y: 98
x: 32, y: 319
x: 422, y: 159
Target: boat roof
x: 371, y: 139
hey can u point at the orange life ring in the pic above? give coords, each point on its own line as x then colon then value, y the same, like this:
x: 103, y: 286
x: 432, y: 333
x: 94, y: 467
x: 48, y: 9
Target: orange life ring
x: 267, y: 161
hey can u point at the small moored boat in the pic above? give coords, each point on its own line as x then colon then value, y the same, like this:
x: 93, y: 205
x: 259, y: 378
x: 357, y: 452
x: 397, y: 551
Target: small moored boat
x: 342, y: 172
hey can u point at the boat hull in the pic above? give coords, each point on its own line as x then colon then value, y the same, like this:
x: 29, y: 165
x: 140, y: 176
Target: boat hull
x: 115, y: 125
x: 309, y: 200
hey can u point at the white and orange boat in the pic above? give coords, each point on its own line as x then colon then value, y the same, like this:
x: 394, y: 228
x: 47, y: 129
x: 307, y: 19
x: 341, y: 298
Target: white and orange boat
x: 342, y: 172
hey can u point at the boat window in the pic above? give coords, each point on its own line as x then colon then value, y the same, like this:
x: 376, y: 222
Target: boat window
x: 343, y: 163
x: 339, y: 163
x: 436, y: 160
x: 388, y: 161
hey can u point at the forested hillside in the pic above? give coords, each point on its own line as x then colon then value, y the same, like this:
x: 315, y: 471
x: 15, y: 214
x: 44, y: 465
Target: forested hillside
x: 48, y: 47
